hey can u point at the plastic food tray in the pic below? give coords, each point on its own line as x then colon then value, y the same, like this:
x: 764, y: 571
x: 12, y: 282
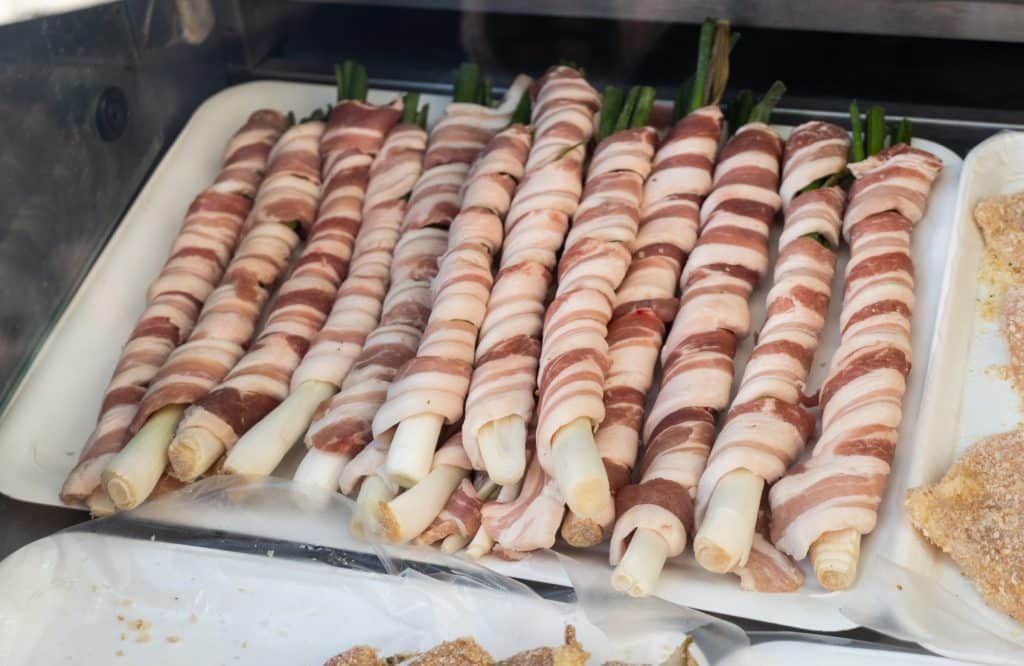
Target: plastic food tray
x: 126, y: 590
x: 54, y: 408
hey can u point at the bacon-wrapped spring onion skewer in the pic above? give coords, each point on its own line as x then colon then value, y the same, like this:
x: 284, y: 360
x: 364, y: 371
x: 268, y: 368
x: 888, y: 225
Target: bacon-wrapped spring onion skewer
x: 767, y: 569
x: 827, y: 502
x: 260, y: 379
x: 475, y: 235
x: 357, y: 303
x: 285, y: 205
x: 767, y: 426
x: 410, y: 513
x: 200, y: 253
x: 501, y: 395
x: 342, y: 426
x: 680, y: 178
x: 729, y: 258
x: 482, y: 543
x: 574, y: 354
x: 459, y: 521
x: 530, y: 521
x: 437, y: 379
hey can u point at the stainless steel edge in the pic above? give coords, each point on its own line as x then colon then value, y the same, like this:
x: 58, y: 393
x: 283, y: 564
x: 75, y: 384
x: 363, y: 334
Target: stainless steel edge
x: 987, y: 20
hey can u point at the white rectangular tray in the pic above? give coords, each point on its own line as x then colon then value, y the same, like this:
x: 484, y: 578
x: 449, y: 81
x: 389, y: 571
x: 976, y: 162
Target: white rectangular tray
x: 85, y: 598
x: 54, y: 408
x: 966, y: 397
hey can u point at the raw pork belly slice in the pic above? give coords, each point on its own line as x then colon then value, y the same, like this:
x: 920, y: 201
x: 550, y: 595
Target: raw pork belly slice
x: 767, y: 426
x: 646, y: 300
x: 260, y: 379
x: 841, y: 485
x: 729, y: 258
x: 343, y: 424
x: 507, y: 353
x: 202, y: 250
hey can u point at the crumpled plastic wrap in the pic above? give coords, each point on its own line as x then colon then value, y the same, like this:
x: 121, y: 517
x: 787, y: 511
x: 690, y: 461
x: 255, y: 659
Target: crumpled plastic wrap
x: 197, y: 573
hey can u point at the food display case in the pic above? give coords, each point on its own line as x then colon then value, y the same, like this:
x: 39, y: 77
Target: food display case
x: 118, y: 117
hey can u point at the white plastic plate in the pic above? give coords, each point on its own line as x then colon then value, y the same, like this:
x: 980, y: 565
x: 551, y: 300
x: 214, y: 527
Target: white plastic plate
x: 54, y: 408
x: 966, y: 397
x: 85, y: 598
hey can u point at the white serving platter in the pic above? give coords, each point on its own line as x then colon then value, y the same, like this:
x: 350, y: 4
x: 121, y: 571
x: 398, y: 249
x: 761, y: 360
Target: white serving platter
x: 89, y: 598
x: 966, y: 398
x: 80, y: 598
x: 54, y: 408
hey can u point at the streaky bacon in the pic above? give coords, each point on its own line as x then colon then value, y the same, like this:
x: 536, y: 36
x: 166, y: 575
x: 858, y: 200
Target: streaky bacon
x: 646, y: 300
x: 729, y: 257
x: 285, y: 206
x: 260, y: 380
x: 437, y: 379
x: 768, y: 569
x: 343, y: 424
x: 201, y: 252
x: 530, y: 521
x: 767, y: 426
x: 574, y: 355
x: 841, y: 485
x: 504, y: 377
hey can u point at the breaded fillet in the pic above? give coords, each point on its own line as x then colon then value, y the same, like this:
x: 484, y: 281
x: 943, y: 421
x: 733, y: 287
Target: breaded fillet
x: 460, y: 652
x: 976, y: 515
x: 1001, y: 220
x: 569, y: 654
x: 1013, y: 330
x: 360, y: 655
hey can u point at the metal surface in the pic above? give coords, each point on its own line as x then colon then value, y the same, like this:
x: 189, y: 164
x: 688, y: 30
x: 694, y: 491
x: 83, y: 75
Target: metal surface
x: 92, y: 99
x: 989, y: 20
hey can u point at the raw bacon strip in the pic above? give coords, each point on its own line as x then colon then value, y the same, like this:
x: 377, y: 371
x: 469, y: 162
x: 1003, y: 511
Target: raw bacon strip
x: 260, y: 379
x: 460, y: 516
x: 482, y: 543
x: 437, y: 379
x: 357, y: 305
x: 343, y: 424
x: 767, y: 426
x: 508, y: 350
x: 645, y: 301
x: 200, y: 253
x: 411, y: 513
x: 285, y: 205
x: 767, y: 569
x: 574, y: 355
x: 730, y: 256
x: 841, y: 485
x: 814, y: 150
x: 530, y: 521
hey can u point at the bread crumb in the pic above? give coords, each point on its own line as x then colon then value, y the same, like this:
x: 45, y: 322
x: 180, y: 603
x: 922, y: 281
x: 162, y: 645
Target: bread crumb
x: 119, y: 653
x: 173, y: 639
x: 976, y: 515
x: 1001, y: 220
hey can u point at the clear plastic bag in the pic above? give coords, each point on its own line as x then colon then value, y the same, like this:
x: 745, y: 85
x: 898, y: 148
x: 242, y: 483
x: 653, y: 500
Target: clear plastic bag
x: 197, y: 573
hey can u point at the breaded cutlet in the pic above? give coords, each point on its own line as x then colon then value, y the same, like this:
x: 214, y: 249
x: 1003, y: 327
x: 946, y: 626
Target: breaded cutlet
x: 1001, y: 220
x: 976, y: 515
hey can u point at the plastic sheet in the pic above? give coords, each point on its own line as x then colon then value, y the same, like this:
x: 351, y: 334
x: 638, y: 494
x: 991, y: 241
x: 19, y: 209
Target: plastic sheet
x: 180, y: 579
